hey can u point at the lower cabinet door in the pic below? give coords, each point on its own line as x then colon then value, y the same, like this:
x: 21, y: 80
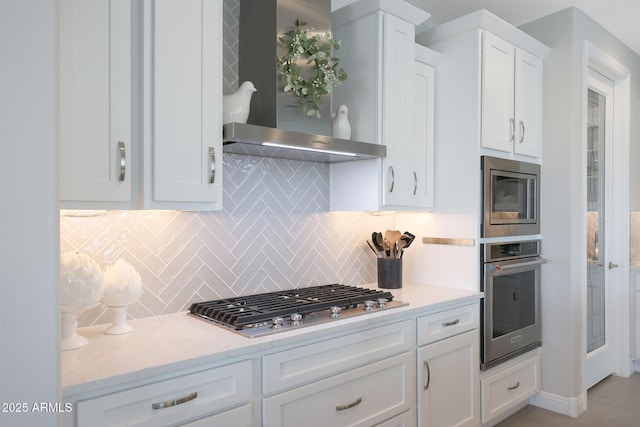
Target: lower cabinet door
x: 448, y: 391
x: 362, y: 397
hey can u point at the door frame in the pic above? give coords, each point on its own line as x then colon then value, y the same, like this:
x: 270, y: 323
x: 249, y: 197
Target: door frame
x: 597, y: 60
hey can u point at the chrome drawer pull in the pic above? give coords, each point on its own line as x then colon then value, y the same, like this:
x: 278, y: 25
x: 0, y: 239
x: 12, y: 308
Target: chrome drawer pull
x: 428, y: 372
x: 513, y: 387
x: 453, y: 322
x: 521, y: 131
x: 415, y: 182
x: 170, y: 403
x: 123, y: 161
x: 349, y: 405
x: 512, y: 130
x: 212, y: 159
x: 393, y: 179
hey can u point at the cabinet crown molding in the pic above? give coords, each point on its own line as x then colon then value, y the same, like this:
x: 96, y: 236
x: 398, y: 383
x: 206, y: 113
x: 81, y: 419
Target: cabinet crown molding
x: 483, y: 19
x: 399, y: 8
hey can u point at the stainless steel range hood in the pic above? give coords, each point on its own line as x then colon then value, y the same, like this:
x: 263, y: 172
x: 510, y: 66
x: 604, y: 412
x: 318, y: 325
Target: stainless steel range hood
x: 277, y: 126
x: 271, y: 142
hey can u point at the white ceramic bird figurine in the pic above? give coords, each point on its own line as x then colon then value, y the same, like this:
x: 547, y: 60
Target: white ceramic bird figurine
x: 340, y: 126
x: 235, y: 107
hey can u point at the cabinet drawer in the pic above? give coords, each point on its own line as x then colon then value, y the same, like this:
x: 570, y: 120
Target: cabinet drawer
x: 360, y: 397
x: 447, y: 323
x: 407, y: 419
x: 319, y: 360
x: 238, y: 417
x: 509, y: 387
x: 216, y: 389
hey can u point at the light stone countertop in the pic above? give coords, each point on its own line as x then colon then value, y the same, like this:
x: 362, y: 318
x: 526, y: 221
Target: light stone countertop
x: 165, y: 344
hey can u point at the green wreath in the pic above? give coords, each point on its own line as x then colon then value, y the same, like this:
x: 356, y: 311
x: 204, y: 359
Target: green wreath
x: 316, y: 48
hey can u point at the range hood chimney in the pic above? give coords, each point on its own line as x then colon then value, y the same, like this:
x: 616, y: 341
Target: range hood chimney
x: 277, y: 126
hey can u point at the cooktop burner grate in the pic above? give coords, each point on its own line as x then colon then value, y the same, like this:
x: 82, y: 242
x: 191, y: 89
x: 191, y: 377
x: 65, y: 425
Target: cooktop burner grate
x: 256, y: 310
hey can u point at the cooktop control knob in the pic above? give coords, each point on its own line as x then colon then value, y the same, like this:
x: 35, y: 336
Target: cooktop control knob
x: 277, y: 323
x: 368, y: 305
x: 296, y: 319
x: 382, y: 302
x: 335, y: 312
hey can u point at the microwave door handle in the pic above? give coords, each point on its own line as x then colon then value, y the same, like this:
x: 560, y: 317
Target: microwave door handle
x: 532, y: 199
x: 522, y: 264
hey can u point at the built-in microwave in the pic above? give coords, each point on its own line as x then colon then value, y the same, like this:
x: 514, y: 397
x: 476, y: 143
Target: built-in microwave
x: 511, y: 197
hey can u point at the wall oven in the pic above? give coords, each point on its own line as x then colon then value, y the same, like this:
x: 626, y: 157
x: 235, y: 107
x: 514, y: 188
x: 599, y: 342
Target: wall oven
x: 511, y: 195
x: 511, y: 305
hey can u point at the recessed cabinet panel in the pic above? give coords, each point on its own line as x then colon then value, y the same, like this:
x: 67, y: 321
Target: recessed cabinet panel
x: 448, y: 392
x: 528, y: 104
x: 498, y: 84
x: 187, y: 95
x: 96, y: 146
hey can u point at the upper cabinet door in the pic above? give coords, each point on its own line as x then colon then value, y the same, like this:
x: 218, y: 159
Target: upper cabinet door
x: 398, y: 109
x: 422, y: 153
x: 96, y: 144
x: 185, y: 117
x: 528, y: 104
x: 498, y: 83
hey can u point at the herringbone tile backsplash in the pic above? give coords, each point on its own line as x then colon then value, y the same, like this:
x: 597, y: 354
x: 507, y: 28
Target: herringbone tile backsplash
x: 274, y: 233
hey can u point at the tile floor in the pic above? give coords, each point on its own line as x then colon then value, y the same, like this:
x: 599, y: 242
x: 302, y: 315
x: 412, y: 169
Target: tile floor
x: 614, y: 402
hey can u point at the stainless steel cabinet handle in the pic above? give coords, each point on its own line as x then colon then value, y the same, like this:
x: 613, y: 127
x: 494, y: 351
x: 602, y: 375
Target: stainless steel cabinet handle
x: 123, y: 160
x: 428, y: 372
x: 175, y: 402
x: 415, y: 182
x: 612, y: 265
x: 521, y: 131
x: 349, y: 405
x: 212, y: 160
x: 453, y: 322
x: 393, y: 179
x: 513, y: 387
x: 512, y: 123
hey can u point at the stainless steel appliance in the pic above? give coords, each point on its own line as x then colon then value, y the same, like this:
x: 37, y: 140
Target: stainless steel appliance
x: 267, y: 313
x: 511, y: 197
x: 511, y: 306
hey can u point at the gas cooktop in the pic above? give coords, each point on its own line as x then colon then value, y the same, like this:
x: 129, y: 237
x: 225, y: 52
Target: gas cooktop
x: 263, y: 314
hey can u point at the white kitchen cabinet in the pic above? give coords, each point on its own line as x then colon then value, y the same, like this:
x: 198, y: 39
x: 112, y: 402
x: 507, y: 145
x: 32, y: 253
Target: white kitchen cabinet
x: 177, y: 400
x: 96, y: 139
x: 361, y: 378
x: 509, y: 384
x: 448, y: 368
x: 360, y: 397
x: 379, y: 54
x: 170, y: 69
x: 421, y: 148
x: 183, y: 104
x: 319, y: 360
x: 511, y: 98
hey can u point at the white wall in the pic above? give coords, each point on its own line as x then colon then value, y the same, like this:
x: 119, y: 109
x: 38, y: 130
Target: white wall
x: 29, y: 225
x: 563, y: 287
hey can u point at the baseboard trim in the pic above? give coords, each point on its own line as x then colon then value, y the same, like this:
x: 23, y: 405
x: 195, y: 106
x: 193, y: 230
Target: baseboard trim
x: 570, y: 406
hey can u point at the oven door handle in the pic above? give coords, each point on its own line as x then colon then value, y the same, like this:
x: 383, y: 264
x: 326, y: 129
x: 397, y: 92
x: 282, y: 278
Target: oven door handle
x: 503, y: 267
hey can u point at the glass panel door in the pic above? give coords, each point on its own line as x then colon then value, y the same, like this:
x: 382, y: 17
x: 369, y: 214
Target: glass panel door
x: 595, y: 220
x: 598, y: 223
